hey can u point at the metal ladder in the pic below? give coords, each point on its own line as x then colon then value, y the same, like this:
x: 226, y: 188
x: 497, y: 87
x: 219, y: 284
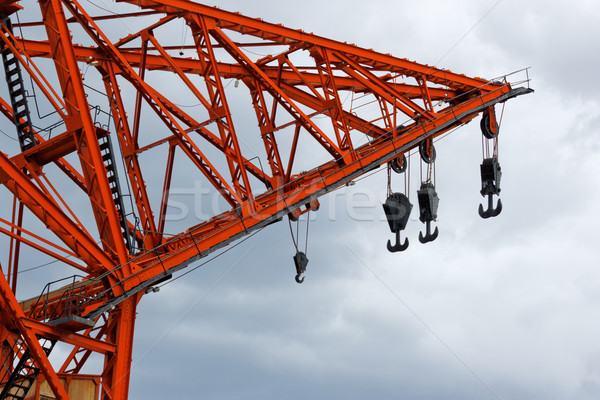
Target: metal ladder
x: 16, y: 90
x: 108, y: 158
x: 19, y: 377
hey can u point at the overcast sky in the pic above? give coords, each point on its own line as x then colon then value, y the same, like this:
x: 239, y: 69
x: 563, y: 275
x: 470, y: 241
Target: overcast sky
x: 505, y: 308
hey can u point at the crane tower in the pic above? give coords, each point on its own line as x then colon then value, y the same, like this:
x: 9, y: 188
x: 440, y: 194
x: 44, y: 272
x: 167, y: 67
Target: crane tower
x: 87, y: 180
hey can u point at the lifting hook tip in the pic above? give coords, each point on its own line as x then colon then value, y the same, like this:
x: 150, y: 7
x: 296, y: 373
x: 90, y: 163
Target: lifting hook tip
x: 398, y: 246
x: 298, y: 280
x: 491, y: 211
x: 429, y: 236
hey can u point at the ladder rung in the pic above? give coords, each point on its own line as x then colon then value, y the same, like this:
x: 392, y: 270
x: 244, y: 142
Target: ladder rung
x: 20, y: 103
x: 12, y: 73
x: 10, y: 61
x: 17, y: 91
x: 21, y: 114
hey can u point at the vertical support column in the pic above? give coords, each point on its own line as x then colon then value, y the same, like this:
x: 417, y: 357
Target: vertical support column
x: 117, y: 366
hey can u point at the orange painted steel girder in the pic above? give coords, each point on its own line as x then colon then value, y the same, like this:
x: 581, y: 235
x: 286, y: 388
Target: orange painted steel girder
x: 415, y: 103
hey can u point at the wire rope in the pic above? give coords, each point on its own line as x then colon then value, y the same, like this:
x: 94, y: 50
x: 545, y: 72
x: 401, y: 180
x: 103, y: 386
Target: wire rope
x: 292, y: 234
x: 307, y: 225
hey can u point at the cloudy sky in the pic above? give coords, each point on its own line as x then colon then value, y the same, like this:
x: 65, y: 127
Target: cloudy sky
x: 505, y: 308
x: 496, y: 309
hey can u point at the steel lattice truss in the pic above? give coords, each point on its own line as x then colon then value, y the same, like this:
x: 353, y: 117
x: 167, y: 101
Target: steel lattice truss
x: 306, y: 81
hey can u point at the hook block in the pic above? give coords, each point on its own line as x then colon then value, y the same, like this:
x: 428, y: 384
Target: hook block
x: 397, y: 210
x: 490, y: 176
x: 428, y: 202
x: 301, y: 262
x: 490, y: 186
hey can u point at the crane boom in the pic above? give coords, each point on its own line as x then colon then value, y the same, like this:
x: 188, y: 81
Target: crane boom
x: 301, y: 79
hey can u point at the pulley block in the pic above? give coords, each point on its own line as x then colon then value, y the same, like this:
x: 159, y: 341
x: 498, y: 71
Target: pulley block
x: 397, y: 210
x: 490, y: 186
x: 428, y: 202
x: 301, y: 262
x: 489, y: 125
x: 427, y: 151
x: 428, y: 206
x: 399, y: 164
x: 490, y: 176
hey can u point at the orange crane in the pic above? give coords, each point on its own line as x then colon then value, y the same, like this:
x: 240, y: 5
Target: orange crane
x: 378, y: 108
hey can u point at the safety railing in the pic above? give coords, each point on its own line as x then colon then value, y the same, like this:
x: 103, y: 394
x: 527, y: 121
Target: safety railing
x: 63, y: 302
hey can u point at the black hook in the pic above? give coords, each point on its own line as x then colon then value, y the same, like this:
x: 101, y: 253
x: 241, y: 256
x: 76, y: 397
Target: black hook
x: 428, y: 206
x: 490, y: 186
x: 491, y: 211
x: 397, y: 210
x: 398, y: 246
x: 301, y: 262
x: 429, y: 237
